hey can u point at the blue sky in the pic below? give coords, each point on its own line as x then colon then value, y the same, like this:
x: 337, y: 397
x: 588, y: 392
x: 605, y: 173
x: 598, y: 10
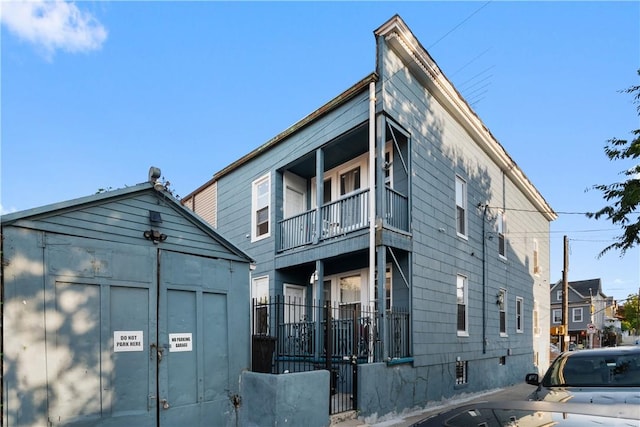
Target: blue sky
x: 94, y: 93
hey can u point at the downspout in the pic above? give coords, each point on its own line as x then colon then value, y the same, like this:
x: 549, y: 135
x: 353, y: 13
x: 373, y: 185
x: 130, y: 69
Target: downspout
x: 372, y: 194
x: 484, y: 280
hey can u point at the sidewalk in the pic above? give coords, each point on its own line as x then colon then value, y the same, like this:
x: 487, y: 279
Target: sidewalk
x: 518, y: 391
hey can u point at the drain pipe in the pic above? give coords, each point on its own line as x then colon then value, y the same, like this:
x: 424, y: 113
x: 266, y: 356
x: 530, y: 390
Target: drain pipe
x: 484, y: 279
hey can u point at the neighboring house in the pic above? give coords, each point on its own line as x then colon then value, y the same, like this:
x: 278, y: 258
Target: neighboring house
x: 116, y: 310
x: 588, y: 305
x: 394, y: 204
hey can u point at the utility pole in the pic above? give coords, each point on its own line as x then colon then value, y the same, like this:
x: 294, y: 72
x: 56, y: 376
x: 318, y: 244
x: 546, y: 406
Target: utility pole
x: 565, y: 297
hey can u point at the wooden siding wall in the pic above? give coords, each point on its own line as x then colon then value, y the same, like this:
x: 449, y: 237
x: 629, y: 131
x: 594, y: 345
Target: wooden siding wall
x: 441, y: 149
x: 124, y: 221
x: 206, y: 204
x: 234, y: 189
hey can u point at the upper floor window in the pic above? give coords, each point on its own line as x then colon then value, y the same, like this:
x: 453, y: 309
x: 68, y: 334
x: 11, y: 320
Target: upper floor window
x: 559, y: 295
x: 536, y: 321
x: 577, y: 314
x: 260, y: 202
x: 350, y: 181
x: 536, y: 257
x: 502, y: 246
x: 502, y: 305
x: 519, y: 314
x: 556, y: 316
x: 462, y: 299
x: 461, y: 207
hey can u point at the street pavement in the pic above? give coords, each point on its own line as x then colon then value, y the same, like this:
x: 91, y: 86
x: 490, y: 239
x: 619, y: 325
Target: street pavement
x: 518, y: 391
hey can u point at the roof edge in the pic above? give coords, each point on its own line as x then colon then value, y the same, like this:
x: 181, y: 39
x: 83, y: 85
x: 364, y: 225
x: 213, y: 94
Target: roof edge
x: 336, y: 102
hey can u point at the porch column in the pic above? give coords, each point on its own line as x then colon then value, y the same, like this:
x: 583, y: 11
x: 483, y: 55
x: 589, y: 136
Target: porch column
x: 381, y: 298
x: 319, y: 193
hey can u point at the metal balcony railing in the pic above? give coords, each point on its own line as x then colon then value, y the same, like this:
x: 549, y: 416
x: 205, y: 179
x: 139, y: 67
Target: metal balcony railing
x: 348, y: 214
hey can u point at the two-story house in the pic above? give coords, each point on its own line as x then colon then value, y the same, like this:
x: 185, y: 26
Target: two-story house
x: 394, y: 206
x: 588, y: 315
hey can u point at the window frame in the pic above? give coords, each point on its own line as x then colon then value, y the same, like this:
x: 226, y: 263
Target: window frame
x: 574, y: 311
x: 559, y: 317
x: 461, y: 207
x: 501, y: 232
x: 256, y: 206
x: 519, y: 315
x: 559, y: 295
x: 502, y: 318
x: 536, y: 257
x: 260, y: 292
x: 463, y: 281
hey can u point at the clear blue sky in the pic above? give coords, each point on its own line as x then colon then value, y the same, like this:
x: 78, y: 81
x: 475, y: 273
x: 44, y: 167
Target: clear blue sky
x: 94, y: 93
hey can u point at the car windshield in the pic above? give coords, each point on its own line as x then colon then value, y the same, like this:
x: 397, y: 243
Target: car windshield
x: 594, y: 371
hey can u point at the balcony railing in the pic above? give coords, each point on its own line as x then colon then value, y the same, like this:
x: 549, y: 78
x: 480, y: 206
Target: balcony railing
x: 348, y: 214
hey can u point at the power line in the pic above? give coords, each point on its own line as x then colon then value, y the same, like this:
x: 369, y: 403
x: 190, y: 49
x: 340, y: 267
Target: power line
x: 459, y: 25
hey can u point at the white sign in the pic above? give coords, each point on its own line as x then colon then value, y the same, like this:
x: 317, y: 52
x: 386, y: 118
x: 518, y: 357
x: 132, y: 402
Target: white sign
x: 128, y: 341
x: 591, y: 328
x: 180, y: 342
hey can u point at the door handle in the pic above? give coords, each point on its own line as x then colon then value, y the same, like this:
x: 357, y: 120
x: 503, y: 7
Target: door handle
x: 165, y: 404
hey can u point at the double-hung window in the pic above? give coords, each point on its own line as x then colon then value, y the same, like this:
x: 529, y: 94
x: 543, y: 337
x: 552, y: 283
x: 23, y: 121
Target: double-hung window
x: 556, y: 316
x: 576, y: 314
x: 502, y: 305
x: 462, y: 302
x: 502, y: 245
x: 461, y: 207
x: 519, y: 314
x: 260, y: 203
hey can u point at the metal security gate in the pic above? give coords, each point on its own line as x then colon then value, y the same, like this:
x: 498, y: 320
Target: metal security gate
x: 341, y: 340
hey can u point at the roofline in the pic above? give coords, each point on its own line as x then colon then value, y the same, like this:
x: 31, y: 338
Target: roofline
x: 343, y: 98
x: 196, y: 220
x: 401, y: 39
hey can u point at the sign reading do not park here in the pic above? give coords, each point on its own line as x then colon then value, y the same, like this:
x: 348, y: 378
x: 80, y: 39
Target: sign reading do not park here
x: 128, y: 341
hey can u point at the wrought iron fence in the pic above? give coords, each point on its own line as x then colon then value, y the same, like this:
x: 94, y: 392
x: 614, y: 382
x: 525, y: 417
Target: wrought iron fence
x: 296, y: 335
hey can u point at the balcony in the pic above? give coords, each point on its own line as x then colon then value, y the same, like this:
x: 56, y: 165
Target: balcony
x: 345, y: 215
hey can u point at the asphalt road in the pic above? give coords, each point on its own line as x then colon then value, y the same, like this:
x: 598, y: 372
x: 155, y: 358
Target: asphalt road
x: 516, y: 392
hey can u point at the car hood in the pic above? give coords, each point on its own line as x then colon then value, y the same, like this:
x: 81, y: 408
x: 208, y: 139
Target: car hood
x: 600, y: 395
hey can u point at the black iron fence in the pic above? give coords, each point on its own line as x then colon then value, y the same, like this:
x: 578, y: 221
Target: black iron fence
x: 290, y: 336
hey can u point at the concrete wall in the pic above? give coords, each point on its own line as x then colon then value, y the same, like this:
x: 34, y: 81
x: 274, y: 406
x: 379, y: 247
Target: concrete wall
x: 386, y: 390
x: 297, y: 399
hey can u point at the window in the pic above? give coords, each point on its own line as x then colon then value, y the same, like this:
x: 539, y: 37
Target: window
x: 350, y: 181
x: 519, y: 312
x: 557, y: 316
x: 461, y: 372
x: 461, y: 207
x: 536, y: 257
x: 576, y: 314
x: 502, y: 304
x: 260, y: 295
x: 462, y: 298
x: 502, y: 247
x: 536, y: 322
x: 261, y: 197
x: 559, y: 295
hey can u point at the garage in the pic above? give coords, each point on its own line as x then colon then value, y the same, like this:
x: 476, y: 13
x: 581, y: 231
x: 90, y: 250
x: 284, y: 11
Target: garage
x: 117, y: 310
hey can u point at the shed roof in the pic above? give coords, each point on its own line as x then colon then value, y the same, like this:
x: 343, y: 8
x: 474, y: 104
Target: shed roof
x: 32, y: 218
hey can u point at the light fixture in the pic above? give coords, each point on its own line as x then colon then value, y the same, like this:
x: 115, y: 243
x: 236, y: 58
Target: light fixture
x: 500, y: 299
x: 154, y: 235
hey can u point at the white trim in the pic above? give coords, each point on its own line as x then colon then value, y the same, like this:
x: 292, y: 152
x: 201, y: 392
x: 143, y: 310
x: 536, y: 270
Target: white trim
x: 461, y: 193
x: 520, y: 314
x: 255, y: 206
